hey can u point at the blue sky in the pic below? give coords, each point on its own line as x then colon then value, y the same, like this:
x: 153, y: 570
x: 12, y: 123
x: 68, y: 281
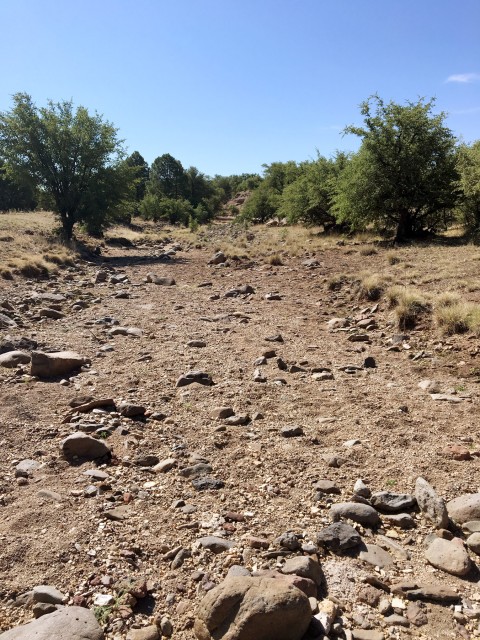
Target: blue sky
x: 227, y: 85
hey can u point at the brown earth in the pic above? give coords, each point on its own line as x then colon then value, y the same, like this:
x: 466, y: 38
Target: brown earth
x: 269, y: 479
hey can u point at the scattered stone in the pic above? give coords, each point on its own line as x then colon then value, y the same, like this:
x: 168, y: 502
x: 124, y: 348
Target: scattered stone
x: 339, y: 536
x: 200, y: 377
x: 26, y: 468
x: 204, y: 484
x: 253, y: 609
x: 53, y: 314
x: 198, y: 470
x: 13, y: 359
x: 369, y: 363
x: 432, y: 386
x: 401, y: 520
x: 288, y: 540
x: 291, y: 432
x: 130, y: 410
x: 221, y: 413
x: 305, y: 567
x: 40, y: 609
x: 448, y: 556
x: 258, y: 376
x: 118, y: 513
x: 52, y: 365
x: 457, y: 452
x: 50, y: 495
x: 327, y: 486
x: 162, y: 281
x: 367, y: 634
x: 6, y: 322
x: 196, y: 344
x: 392, y: 502
x: 81, y: 445
x: 323, y: 375
x: 376, y: 556
x: 74, y: 623
x: 46, y: 593
x: 464, y: 508
x: 146, y: 633
x: 473, y: 542
x: 361, y: 489
x: 215, y: 544
x: 274, y: 295
x: 361, y: 513
x: 473, y: 526
x: 164, y: 465
x: 430, y: 504
x: 416, y: 614
x: 218, y: 258
x: 445, y: 397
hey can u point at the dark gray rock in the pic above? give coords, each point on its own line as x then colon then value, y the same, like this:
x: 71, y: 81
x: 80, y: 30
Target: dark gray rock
x: 190, y: 377
x: 82, y: 445
x: 60, y: 363
x: 361, y: 513
x: 339, y: 536
x: 215, y: 544
x: 392, y: 502
x: 13, y: 359
x: 204, y: 484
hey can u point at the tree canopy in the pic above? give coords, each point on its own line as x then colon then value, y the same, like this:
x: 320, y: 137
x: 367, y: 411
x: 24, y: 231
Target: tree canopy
x: 404, y: 175
x: 72, y: 157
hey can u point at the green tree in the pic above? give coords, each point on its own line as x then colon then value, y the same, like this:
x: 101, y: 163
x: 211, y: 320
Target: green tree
x: 142, y: 173
x: 167, y: 177
x: 469, y: 182
x: 309, y: 198
x: 74, y: 158
x: 14, y: 196
x: 404, y: 176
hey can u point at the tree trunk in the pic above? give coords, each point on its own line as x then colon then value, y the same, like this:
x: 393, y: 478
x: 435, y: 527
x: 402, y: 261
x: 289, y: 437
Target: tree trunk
x: 67, y: 223
x: 404, y: 227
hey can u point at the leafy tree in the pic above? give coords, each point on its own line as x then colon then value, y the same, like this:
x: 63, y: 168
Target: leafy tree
x: 469, y: 170
x: 14, y: 196
x: 309, y: 198
x: 261, y: 205
x: 75, y: 158
x: 142, y: 170
x: 167, y: 177
x: 403, y: 177
x: 172, y: 210
x: 199, y: 187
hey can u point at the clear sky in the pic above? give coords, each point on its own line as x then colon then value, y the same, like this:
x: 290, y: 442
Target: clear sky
x: 227, y: 85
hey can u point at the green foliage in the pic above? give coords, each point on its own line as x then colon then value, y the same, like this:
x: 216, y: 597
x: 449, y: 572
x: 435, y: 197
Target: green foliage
x: 171, y: 210
x: 69, y: 155
x: 403, y: 177
x: 261, y: 205
x: 142, y: 173
x: 469, y: 170
x: 168, y: 178
x: 15, y: 196
x: 309, y: 198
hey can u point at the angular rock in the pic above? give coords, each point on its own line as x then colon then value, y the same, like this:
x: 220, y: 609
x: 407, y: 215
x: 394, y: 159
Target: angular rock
x: 361, y: 489
x: 464, y: 508
x: 432, y: 506
x: 448, y: 556
x: 46, y: 593
x: 339, y: 536
x: 392, y: 502
x: 72, y: 623
x: 130, y: 410
x: 26, y: 467
x: 145, y: 633
x: 81, y: 445
x: 6, y: 322
x: 358, y: 512
x: 376, y: 556
x: 218, y: 258
x: 367, y: 634
x: 291, y: 432
x: 246, y: 608
x: 305, y: 567
x: 194, y: 376
x: 60, y: 363
x: 53, y: 314
x: 327, y: 486
x: 164, y: 465
x: 204, y: 484
x: 13, y: 359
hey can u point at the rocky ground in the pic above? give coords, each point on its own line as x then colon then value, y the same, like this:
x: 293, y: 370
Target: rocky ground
x: 222, y: 406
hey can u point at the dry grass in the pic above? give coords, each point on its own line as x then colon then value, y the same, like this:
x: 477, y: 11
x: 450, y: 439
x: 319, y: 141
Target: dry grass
x: 393, y: 257
x: 372, y: 286
x: 410, y: 305
x: 459, y: 317
x: 275, y: 260
x: 29, y: 245
x: 368, y: 251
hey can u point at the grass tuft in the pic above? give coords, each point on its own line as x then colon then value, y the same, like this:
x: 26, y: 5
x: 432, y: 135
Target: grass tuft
x: 410, y: 306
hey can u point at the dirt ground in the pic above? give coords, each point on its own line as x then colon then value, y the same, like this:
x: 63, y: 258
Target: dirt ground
x: 66, y: 540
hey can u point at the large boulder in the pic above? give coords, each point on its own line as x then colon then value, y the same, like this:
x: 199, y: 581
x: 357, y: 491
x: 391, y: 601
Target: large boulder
x: 81, y: 445
x: 13, y: 359
x: 244, y: 608
x: 67, y: 623
x: 464, y: 508
x: 59, y: 363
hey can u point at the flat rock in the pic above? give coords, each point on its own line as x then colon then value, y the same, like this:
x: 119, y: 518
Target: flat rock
x: 6, y: 322
x: 431, y: 505
x: 161, y: 280
x: 358, y: 512
x: 448, y: 556
x: 67, y: 623
x: 145, y: 633
x: 130, y: 410
x: 392, y: 502
x: 215, y: 544
x: 445, y: 397
x: 13, y: 359
x: 339, y: 536
x: 243, y: 608
x: 464, y: 508
x: 53, y: 314
x: 26, y: 467
x: 473, y: 542
x: 165, y: 465
x: 367, y: 634
x: 327, y: 486
x: 291, y: 432
x: 472, y: 526
x: 60, y: 363
x: 205, y: 484
x: 376, y: 556
x: 81, y: 445
x: 400, y: 520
